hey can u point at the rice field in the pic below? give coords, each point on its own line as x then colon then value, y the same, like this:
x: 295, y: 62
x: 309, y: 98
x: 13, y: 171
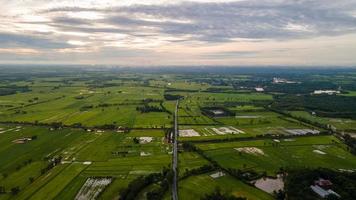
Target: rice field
x: 80, y: 159
x: 271, y: 155
x: 196, y: 186
x: 99, y: 163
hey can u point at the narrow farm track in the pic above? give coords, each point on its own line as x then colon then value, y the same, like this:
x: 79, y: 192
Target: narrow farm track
x: 175, y: 155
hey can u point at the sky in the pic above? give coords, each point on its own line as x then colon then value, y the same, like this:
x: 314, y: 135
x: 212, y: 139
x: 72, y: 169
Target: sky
x: 179, y: 32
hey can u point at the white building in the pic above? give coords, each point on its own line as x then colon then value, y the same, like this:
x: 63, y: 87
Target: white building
x: 322, y: 192
x: 218, y: 112
x: 259, y: 89
x: 329, y: 92
x: 281, y: 80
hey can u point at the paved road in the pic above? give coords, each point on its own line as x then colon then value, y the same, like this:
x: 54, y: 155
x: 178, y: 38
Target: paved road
x: 175, y: 155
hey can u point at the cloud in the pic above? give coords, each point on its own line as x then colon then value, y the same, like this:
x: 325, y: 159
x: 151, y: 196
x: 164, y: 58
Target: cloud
x: 230, y: 54
x: 17, y: 40
x: 70, y: 21
x: 84, y: 27
x: 222, y: 22
x: 253, y: 19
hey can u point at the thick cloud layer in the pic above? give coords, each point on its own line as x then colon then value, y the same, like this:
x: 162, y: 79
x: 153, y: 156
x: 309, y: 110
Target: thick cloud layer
x: 243, y: 19
x: 70, y: 26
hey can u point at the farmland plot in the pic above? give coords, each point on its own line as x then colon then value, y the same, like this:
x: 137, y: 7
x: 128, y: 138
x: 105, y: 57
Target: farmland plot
x: 270, y: 155
x: 92, y: 188
x: 195, y: 187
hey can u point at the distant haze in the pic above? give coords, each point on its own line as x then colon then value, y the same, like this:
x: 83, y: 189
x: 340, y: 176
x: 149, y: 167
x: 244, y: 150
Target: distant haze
x: 167, y: 32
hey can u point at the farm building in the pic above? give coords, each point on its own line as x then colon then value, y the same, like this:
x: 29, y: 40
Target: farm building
x: 302, y: 131
x: 322, y: 192
x: 259, y: 89
x: 22, y: 140
x: 323, y: 183
x: 329, y: 92
x: 281, y: 80
x: 216, y: 112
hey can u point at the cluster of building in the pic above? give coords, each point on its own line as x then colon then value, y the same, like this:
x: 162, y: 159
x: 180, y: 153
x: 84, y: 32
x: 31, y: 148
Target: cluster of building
x: 275, y: 80
x: 281, y: 80
x: 322, y: 187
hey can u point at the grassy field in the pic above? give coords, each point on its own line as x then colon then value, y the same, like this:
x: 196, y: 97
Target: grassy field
x: 76, y: 149
x: 340, y: 124
x: 251, y: 123
x: 144, y: 104
x: 190, y: 112
x: 313, y: 152
x: 90, y: 107
x: 196, y: 187
x: 190, y: 160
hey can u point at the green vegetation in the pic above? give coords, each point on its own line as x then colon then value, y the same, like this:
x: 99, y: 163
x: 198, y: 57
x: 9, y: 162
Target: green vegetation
x: 268, y: 156
x: 66, y: 127
x: 298, y: 182
x: 196, y: 187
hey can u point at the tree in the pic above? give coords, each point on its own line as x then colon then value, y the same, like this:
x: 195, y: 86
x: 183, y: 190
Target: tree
x: 332, y: 197
x: 15, y: 190
x: 2, y: 190
x: 31, y: 179
x: 135, y: 140
x: 217, y: 195
x: 280, y: 195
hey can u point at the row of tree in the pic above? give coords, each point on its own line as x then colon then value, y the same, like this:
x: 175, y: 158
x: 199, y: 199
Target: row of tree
x: 52, y: 163
x: 147, y: 108
x: 336, y: 106
x: 297, y: 183
x: 13, y: 89
x: 350, y: 142
x: 162, y: 179
x: 218, y: 195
